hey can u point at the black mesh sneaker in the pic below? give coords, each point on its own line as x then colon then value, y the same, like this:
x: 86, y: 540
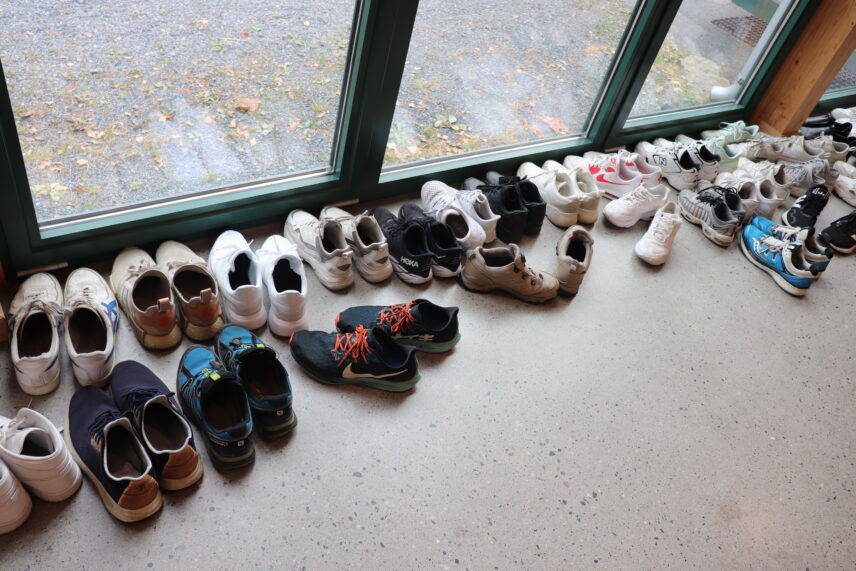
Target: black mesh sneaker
x: 369, y: 357
x: 841, y: 234
x: 504, y: 200
x: 535, y: 206
x: 804, y: 212
x: 408, y: 246
x: 418, y: 323
x: 444, y: 248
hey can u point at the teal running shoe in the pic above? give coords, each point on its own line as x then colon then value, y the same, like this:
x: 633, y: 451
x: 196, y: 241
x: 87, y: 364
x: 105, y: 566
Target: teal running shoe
x: 783, y: 260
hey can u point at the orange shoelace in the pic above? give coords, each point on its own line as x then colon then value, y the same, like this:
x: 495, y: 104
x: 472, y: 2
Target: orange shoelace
x: 396, y: 317
x: 353, y: 345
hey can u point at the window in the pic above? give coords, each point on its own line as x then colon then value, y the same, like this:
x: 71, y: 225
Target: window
x: 845, y: 80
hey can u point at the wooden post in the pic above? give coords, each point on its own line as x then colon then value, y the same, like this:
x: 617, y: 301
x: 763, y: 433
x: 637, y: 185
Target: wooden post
x: 827, y: 41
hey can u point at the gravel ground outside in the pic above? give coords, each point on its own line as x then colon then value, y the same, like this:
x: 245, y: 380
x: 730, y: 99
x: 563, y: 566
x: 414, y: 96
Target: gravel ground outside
x: 121, y: 102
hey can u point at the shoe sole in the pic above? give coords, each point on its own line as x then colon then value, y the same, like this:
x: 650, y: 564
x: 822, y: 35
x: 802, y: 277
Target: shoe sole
x: 278, y: 431
x: 37, y: 390
x: 283, y: 327
x: 253, y: 321
x: 710, y: 233
x: 227, y: 463
x: 406, y: 276
x: 492, y: 290
x: 429, y: 346
x: 117, y: 511
x: 149, y: 341
x: 439, y: 271
x: 174, y: 485
x: 371, y: 382
x: 561, y: 219
x: 780, y: 281
x: 843, y: 250
x: 203, y: 332
x: 645, y: 216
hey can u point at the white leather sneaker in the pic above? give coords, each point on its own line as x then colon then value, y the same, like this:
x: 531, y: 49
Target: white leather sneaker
x: 366, y: 239
x: 236, y: 269
x: 758, y: 195
x: 504, y: 268
x: 837, y: 150
x: 615, y: 174
x: 15, y: 502
x: 33, y: 449
x: 677, y: 164
x: 586, y: 186
x: 655, y: 245
x: 91, y: 318
x: 441, y: 203
x: 640, y: 204
x: 701, y: 152
x: 774, y: 172
x: 573, y: 258
x: 475, y: 204
x: 35, y: 314
x: 322, y: 245
x: 559, y: 189
x: 285, y: 282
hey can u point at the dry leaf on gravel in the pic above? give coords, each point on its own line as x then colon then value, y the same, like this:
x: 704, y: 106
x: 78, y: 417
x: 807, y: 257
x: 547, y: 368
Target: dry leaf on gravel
x: 247, y: 104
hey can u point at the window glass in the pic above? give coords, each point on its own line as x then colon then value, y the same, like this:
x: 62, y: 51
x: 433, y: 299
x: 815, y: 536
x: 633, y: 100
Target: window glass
x: 846, y: 78
x: 481, y: 75
x: 120, y: 102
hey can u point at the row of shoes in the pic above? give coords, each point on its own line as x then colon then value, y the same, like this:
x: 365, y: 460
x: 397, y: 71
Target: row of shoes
x: 838, y: 124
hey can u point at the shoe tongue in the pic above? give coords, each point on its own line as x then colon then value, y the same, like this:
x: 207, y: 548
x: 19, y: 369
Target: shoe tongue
x: 416, y: 311
x: 374, y: 343
x: 34, y: 436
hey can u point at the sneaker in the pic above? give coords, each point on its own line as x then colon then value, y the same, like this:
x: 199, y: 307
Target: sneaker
x: 804, y: 212
x: 164, y: 431
x: 441, y: 203
x: 709, y: 210
x: 845, y: 189
x: 444, y: 249
x: 677, y: 164
x: 285, y: 281
x: 731, y: 132
x: 655, y: 245
x: 213, y: 399
x: 845, y: 169
x: 322, y: 245
x: 651, y: 175
x: 104, y: 444
x: 504, y: 268
x: 614, y: 177
x: 731, y: 197
x: 33, y: 449
x: 802, y: 176
x: 364, y: 236
x: 841, y: 234
x: 408, y: 246
x: 794, y: 150
x: 15, y: 502
x: 505, y: 201
x: 477, y: 207
x: 236, y: 269
x: 368, y: 357
x: 534, y: 204
x: 573, y: 258
x: 194, y: 287
x: 813, y: 250
x: 783, y: 261
x: 91, y: 318
x: 639, y: 204
x: 844, y: 114
x: 418, y: 323
x: 144, y: 293
x: 836, y: 151
x: 560, y: 190
x: 758, y: 195
x: 702, y: 153
x: 838, y: 131
x: 765, y: 170
x: 263, y: 377
x: 35, y: 314
x: 587, y: 188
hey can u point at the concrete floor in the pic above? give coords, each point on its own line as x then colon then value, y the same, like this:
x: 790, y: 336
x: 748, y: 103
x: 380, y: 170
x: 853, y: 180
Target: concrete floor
x: 693, y: 416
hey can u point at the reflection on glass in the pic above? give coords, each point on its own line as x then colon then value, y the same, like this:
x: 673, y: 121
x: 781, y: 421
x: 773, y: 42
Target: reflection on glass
x: 846, y: 78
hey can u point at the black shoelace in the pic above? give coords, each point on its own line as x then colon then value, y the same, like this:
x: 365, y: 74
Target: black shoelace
x: 96, y: 428
x: 138, y: 398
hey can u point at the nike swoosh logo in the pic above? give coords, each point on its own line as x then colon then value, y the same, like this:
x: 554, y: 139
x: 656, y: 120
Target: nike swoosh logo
x: 348, y: 373
x: 602, y: 178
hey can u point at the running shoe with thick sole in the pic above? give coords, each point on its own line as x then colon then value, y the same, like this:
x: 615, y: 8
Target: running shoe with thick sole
x: 708, y: 209
x: 322, y: 245
x: 732, y: 132
x: 445, y: 251
x: 841, y: 234
x: 236, y: 268
x: 441, y: 202
x: 782, y: 260
x: 677, y: 164
x: 814, y: 251
x: 418, y: 323
x: 408, y: 246
x: 804, y: 211
x: 640, y: 204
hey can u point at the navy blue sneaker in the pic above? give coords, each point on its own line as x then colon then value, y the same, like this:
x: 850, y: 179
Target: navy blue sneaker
x: 263, y: 377
x: 215, y: 402
x: 783, y: 260
x: 367, y: 357
x: 165, y: 433
x: 418, y: 323
x: 106, y: 446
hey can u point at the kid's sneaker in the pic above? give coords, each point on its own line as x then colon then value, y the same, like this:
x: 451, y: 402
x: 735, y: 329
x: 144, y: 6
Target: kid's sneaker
x: 573, y: 258
x: 237, y: 271
x: 15, y: 502
x: 504, y: 268
x: 655, y: 245
x: 364, y: 236
x: 322, y: 245
x: 418, y: 323
x: 35, y: 314
x: 783, y: 261
x: 91, y: 318
x: 444, y: 249
x: 285, y: 282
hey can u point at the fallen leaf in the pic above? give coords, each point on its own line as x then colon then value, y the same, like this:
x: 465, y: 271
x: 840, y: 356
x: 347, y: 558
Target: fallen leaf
x: 293, y: 125
x: 82, y: 162
x: 555, y: 124
x: 247, y: 104
x: 93, y: 134
x: 166, y: 117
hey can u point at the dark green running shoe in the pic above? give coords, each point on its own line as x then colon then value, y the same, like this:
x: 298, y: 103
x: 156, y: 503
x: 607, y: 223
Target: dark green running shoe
x: 215, y: 402
x: 263, y: 377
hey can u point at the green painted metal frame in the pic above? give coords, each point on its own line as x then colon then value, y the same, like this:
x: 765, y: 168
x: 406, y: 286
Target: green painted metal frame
x: 380, y: 41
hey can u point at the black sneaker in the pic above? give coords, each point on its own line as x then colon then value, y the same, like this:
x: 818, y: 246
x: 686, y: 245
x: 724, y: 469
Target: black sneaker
x: 263, y: 377
x: 369, y: 357
x: 804, y: 212
x: 408, y: 246
x: 504, y: 200
x: 444, y: 248
x: 840, y: 131
x: 841, y: 234
x: 529, y: 195
x: 418, y: 323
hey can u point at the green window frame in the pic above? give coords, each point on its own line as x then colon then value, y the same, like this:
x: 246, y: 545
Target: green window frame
x: 378, y: 49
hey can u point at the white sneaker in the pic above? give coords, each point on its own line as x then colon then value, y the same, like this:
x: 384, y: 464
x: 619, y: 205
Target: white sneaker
x: 774, y: 172
x: 36, y: 312
x: 589, y: 192
x: 616, y: 174
x: 844, y: 114
x: 573, y: 258
x: 15, y: 502
x: 845, y: 189
x: 758, y: 195
x: 33, y: 449
x: 236, y: 269
x: 728, y: 153
x: 366, y: 239
x: 837, y: 151
x: 845, y: 169
x: 640, y: 204
x: 800, y: 177
x: 559, y: 190
x: 702, y: 153
x: 731, y: 132
x: 655, y: 245
x: 678, y: 166
x: 322, y: 245
x: 794, y: 150
x: 475, y: 204
x: 285, y: 281
x: 91, y: 318
x: 441, y: 203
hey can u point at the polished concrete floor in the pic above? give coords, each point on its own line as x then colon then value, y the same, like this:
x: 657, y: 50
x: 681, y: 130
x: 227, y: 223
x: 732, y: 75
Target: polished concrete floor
x: 692, y: 416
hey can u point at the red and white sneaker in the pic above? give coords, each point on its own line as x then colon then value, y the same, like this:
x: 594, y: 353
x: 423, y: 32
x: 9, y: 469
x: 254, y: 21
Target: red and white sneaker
x: 615, y: 174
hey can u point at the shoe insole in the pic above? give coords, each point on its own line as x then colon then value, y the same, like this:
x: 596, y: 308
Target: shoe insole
x: 86, y: 331
x: 37, y: 444
x: 332, y: 238
x: 262, y: 375
x: 221, y: 406
x: 285, y: 279
x: 123, y: 456
x: 497, y: 260
x: 458, y: 225
x: 149, y: 290
x: 577, y: 250
x: 414, y: 239
x: 34, y: 337
x: 190, y: 282
x: 241, y: 274
x: 367, y: 232
x: 163, y: 429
